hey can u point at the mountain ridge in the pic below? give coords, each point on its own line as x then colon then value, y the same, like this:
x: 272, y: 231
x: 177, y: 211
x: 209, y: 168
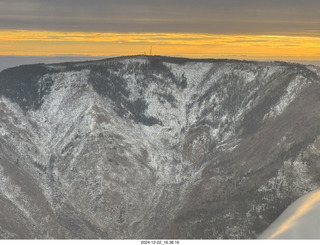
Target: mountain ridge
x: 155, y: 147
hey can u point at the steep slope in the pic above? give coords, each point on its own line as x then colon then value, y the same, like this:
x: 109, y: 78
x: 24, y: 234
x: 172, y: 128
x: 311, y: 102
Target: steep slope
x: 155, y: 147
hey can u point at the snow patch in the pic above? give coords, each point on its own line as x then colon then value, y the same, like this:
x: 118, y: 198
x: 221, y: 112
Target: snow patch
x: 292, y: 91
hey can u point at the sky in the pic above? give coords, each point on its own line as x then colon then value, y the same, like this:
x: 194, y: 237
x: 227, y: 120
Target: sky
x: 245, y: 29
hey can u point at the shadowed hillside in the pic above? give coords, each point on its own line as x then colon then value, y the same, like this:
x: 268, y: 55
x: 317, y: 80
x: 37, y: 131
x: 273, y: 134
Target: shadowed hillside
x: 155, y: 147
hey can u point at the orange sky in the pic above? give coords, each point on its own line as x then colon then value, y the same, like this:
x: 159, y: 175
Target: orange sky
x: 248, y: 29
x: 275, y: 47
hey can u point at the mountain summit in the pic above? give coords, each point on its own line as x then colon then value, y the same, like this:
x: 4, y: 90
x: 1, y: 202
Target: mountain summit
x: 155, y: 147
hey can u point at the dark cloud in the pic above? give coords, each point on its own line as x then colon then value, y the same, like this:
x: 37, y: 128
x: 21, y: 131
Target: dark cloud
x: 210, y: 16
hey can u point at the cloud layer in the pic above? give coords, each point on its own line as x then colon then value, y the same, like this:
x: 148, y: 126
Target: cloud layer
x: 201, y: 16
x: 22, y: 42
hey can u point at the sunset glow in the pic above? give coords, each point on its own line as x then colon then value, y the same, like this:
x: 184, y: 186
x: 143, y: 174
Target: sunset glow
x: 280, y: 47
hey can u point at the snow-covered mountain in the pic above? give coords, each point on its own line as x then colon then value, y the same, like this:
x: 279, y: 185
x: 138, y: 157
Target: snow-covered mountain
x: 155, y: 147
